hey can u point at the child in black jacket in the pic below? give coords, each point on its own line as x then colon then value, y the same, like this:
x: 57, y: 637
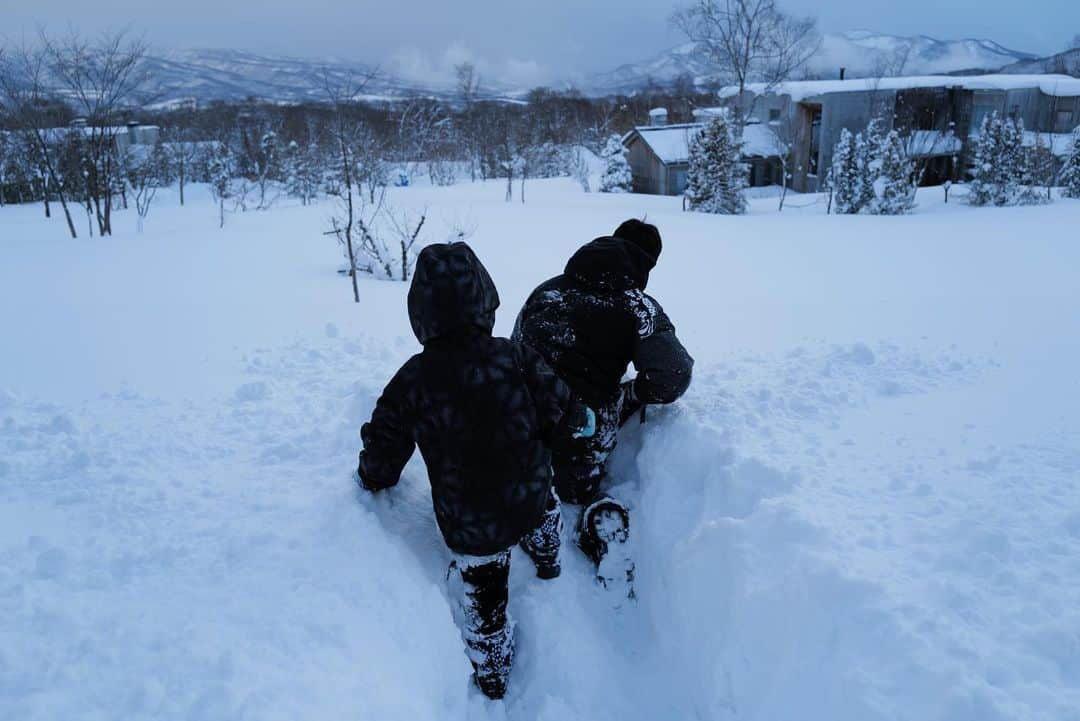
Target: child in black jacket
x: 483, y: 411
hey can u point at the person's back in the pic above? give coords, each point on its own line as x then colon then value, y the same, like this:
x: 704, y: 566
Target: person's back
x: 587, y: 321
x: 483, y: 411
x: 589, y: 324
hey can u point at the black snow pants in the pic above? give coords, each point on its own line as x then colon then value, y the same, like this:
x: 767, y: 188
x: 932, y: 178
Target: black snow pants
x: 478, y: 587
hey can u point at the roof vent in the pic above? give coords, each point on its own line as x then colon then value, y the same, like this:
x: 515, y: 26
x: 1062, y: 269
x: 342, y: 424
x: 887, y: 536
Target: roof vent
x: 658, y: 117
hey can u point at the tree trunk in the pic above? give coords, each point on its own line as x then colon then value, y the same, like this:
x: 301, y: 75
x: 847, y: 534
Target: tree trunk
x: 784, y: 183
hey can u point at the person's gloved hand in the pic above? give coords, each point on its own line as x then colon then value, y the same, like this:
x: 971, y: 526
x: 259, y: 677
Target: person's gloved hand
x: 588, y: 428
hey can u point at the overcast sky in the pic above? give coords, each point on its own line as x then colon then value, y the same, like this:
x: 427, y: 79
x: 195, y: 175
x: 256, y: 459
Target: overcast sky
x: 533, y: 41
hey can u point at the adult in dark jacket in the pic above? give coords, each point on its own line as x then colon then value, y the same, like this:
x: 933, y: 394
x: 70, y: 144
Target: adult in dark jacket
x: 589, y: 324
x: 483, y: 411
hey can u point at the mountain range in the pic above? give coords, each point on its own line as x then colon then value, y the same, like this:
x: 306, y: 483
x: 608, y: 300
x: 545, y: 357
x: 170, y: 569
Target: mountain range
x: 221, y: 74
x: 860, y: 53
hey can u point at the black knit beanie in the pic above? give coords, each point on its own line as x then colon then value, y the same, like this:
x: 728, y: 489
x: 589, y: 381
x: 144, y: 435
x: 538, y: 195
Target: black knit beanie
x: 643, y: 235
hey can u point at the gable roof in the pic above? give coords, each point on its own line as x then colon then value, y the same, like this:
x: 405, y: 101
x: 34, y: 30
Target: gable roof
x: 669, y: 143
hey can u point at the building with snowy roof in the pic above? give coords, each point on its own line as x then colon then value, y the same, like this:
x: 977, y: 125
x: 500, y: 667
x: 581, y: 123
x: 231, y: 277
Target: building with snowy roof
x: 937, y: 115
x: 659, y: 155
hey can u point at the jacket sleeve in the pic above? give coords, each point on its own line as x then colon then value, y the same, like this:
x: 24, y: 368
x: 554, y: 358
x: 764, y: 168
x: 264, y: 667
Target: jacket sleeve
x: 388, y: 436
x: 663, y: 366
x: 557, y: 413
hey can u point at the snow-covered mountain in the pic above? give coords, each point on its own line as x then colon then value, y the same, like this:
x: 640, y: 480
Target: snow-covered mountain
x: 220, y: 74
x: 860, y: 52
x: 865, y: 53
x: 1067, y: 63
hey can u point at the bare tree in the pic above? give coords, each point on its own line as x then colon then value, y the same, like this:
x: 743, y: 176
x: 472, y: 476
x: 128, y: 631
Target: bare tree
x: 101, y: 81
x: 145, y: 170
x: 345, y: 132
x: 181, y: 150
x: 1074, y: 43
x: 784, y: 134
x: 26, y: 98
x: 749, y: 41
x: 468, y: 88
x: 892, y: 64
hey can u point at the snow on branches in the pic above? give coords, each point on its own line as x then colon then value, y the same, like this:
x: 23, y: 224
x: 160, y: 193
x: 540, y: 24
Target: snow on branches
x: 717, y: 177
x: 617, y: 177
x: 1070, y: 171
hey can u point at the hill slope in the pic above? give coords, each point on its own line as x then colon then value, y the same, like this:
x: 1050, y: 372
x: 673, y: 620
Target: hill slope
x: 863, y: 510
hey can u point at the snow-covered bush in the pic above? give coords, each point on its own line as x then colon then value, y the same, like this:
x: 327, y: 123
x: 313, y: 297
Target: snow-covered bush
x: 717, y: 177
x: 303, y: 176
x: 894, y: 192
x: 1070, y: 172
x: 617, y: 177
x: 997, y: 170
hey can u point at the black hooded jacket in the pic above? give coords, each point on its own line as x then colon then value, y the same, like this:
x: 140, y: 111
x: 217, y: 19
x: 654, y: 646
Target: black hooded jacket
x: 483, y: 410
x: 595, y: 319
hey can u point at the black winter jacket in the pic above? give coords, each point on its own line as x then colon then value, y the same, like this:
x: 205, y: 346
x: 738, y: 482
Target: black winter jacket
x: 483, y: 410
x: 590, y: 322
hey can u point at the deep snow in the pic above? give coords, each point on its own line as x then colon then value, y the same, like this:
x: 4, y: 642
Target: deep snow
x: 867, y: 506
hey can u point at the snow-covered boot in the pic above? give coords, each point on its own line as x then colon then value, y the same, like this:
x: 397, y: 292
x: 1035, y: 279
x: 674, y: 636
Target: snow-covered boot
x: 478, y: 591
x: 604, y: 536
x: 542, y: 544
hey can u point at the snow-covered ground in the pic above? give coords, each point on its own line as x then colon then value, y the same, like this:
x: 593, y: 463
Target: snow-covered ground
x: 867, y: 506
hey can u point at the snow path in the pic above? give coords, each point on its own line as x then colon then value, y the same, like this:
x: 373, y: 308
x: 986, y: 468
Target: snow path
x: 865, y: 508
x: 225, y: 540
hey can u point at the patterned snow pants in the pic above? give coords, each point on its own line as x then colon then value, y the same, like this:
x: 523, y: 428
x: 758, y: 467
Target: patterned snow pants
x: 478, y: 596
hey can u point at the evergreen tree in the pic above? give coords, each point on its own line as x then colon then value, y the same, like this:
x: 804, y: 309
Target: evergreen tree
x: 852, y: 172
x: 220, y: 169
x: 1070, y: 172
x: 893, y: 190
x: 1036, y: 174
x: 997, y: 169
x: 301, y: 171
x: 717, y: 176
x: 617, y: 177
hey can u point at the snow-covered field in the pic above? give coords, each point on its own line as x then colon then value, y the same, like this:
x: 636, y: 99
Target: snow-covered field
x: 867, y: 506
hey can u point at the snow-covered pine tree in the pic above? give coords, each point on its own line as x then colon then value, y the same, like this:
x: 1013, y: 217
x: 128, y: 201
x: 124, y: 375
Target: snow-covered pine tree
x: 617, y: 177
x: 219, y: 169
x: 717, y: 177
x: 997, y: 168
x: 1070, y: 171
x: 893, y: 190
x: 1036, y: 173
x: 852, y: 186
x: 301, y: 171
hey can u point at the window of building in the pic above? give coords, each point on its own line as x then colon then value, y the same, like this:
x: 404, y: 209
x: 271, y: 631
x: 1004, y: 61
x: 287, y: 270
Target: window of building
x: 1063, y: 121
x: 774, y: 115
x: 815, y: 141
x: 680, y: 182
x: 980, y: 114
